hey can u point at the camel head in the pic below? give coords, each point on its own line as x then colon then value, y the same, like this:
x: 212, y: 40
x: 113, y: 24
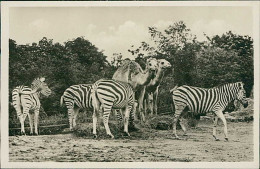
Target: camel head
x: 163, y: 64
x: 151, y: 64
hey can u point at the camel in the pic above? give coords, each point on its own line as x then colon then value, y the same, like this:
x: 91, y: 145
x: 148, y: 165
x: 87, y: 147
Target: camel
x: 152, y: 89
x: 132, y: 73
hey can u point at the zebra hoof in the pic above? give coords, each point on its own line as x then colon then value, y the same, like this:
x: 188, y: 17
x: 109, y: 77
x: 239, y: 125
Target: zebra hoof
x: 95, y: 136
x: 216, y: 139
x: 111, y: 136
x: 226, y: 139
x: 126, y: 134
x: 177, y: 138
x: 23, y: 133
x: 185, y: 134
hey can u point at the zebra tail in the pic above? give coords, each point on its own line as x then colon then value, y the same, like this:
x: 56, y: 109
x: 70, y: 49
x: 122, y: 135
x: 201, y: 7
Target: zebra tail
x: 175, y: 87
x: 16, y: 100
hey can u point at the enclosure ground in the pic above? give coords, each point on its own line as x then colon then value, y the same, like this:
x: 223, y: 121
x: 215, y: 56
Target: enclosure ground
x: 144, y: 145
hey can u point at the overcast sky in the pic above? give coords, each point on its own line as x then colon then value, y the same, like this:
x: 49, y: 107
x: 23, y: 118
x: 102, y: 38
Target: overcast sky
x: 115, y: 29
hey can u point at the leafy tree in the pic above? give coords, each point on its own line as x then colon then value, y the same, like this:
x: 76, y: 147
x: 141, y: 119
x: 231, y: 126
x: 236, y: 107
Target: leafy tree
x: 243, y: 46
x: 76, y: 62
x: 216, y: 66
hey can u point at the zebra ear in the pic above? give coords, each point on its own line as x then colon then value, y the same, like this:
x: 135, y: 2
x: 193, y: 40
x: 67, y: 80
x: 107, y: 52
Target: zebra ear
x: 241, y: 85
x: 42, y: 79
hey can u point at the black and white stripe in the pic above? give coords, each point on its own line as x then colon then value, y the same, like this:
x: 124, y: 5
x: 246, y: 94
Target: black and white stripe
x: 75, y: 98
x: 112, y: 94
x: 26, y: 98
x: 78, y: 97
x: 201, y: 100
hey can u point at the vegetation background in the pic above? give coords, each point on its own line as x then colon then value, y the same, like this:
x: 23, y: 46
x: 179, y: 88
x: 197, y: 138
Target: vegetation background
x: 218, y: 60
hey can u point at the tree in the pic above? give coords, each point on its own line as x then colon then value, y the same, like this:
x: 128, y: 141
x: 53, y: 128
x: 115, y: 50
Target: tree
x: 76, y: 62
x: 216, y: 66
x: 243, y: 46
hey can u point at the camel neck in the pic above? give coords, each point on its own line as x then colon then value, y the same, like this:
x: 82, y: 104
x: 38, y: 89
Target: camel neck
x: 158, y: 78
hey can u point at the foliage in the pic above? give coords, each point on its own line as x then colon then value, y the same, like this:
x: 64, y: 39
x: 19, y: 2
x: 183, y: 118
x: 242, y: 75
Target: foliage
x: 217, y: 66
x: 77, y: 61
x: 243, y: 46
x: 220, y: 59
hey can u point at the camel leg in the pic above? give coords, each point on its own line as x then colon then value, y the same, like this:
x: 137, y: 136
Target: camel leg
x: 150, y: 102
x: 140, y: 105
x: 145, y: 106
x: 155, y: 100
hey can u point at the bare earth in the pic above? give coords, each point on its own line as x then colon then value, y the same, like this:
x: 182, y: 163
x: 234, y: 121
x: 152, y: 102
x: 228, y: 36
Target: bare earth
x: 144, y: 145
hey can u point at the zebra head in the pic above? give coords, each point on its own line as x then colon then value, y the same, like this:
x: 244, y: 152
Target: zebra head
x: 152, y: 64
x: 163, y: 64
x: 241, y: 94
x: 41, y: 86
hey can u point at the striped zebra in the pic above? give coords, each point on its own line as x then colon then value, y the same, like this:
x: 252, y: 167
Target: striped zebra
x: 201, y: 100
x: 110, y: 94
x: 25, y: 99
x: 76, y: 97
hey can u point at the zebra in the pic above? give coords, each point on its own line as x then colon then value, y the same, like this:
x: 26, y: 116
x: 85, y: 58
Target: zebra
x: 110, y: 94
x: 201, y: 100
x: 26, y: 98
x: 76, y: 97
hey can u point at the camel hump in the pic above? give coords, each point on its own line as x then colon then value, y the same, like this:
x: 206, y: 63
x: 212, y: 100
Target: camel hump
x: 135, y: 68
x: 127, y: 68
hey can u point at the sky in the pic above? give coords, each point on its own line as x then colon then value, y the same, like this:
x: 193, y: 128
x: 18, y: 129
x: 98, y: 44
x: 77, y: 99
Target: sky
x: 116, y: 29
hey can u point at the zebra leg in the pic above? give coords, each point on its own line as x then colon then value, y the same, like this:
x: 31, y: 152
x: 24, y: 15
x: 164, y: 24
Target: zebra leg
x: 215, y: 120
x: 107, y: 111
x: 126, y: 119
x: 132, y: 118
x: 183, y: 126
x: 178, y: 111
x: 119, y: 116
x: 31, y: 122
x: 36, y: 120
x: 70, y: 115
x: 222, y: 117
x: 22, y: 119
x: 94, y: 124
x: 74, y: 117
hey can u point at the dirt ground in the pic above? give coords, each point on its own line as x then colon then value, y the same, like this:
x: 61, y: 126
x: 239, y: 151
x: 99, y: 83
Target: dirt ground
x: 144, y: 145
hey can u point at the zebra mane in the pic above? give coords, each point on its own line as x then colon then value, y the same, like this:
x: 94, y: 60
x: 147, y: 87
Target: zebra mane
x: 236, y: 85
